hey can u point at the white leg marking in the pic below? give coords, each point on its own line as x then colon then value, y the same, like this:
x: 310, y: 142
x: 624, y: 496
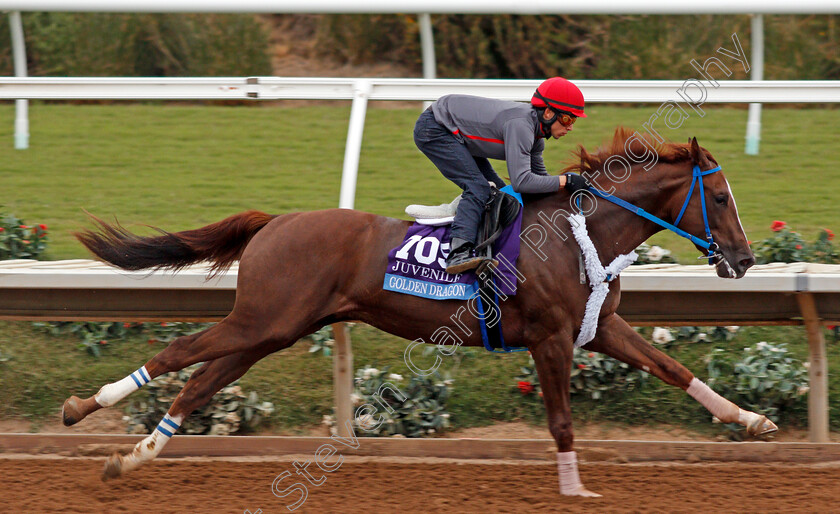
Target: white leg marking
x: 110, y: 394
x: 567, y: 470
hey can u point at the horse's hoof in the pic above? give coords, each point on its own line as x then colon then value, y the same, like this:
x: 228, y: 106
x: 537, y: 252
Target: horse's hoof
x: 113, y: 467
x: 762, y: 426
x: 582, y: 491
x: 71, y: 412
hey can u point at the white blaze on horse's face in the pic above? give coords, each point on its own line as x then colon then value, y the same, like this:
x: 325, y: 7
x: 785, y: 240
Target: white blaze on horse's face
x: 735, y: 254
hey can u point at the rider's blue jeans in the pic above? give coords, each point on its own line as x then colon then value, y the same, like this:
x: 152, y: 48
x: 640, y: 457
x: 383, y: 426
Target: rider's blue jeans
x: 470, y: 173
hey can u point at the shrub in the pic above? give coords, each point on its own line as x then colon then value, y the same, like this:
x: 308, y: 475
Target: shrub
x: 96, y: 335
x: 322, y: 341
x: 95, y: 44
x: 653, y: 255
x: 787, y: 245
x: 764, y: 379
x: 422, y: 412
x: 19, y: 240
x: 228, y: 412
x: 593, y: 374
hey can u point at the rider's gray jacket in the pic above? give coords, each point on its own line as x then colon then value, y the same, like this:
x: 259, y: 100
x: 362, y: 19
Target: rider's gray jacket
x: 499, y: 129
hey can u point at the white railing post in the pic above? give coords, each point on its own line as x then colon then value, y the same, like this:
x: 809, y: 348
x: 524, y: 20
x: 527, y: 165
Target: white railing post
x: 353, y: 147
x: 343, y: 357
x: 754, y: 116
x: 19, y: 56
x: 427, y: 45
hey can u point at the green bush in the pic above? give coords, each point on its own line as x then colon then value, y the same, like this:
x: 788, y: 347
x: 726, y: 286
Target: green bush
x: 653, y: 255
x: 228, y: 412
x: 96, y: 335
x: 764, y: 379
x: 789, y: 246
x: 420, y: 413
x: 591, y: 47
x: 19, y: 240
x: 593, y: 374
x: 95, y: 44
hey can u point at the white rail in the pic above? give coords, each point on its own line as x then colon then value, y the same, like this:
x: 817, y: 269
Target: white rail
x: 291, y: 88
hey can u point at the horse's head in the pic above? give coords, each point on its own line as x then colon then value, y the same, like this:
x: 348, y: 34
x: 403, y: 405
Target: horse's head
x: 731, y: 252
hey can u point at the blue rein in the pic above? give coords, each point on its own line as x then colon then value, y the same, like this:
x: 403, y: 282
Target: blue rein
x: 697, y: 176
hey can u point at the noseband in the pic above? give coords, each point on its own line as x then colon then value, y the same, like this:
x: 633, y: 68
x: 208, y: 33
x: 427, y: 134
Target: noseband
x: 709, y: 244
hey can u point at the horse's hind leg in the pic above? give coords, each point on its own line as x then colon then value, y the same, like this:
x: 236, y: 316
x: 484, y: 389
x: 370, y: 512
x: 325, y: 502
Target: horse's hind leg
x: 618, y: 340
x: 76, y: 409
x: 222, y: 339
x: 200, y: 388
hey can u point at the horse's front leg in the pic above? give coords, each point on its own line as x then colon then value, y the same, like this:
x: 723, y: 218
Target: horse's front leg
x: 618, y: 340
x: 553, y: 360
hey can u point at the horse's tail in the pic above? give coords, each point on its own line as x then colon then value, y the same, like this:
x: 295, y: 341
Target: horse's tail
x: 221, y: 243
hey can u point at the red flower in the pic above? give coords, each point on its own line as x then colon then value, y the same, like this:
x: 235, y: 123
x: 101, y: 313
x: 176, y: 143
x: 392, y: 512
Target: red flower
x: 42, y: 227
x: 23, y: 226
x: 103, y: 342
x: 525, y: 387
x: 2, y: 229
x: 164, y: 324
x: 798, y: 247
x: 25, y: 241
x: 831, y: 327
x: 830, y: 234
x: 581, y: 366
x: 591, y: 355
x: 126, y: 325
x: 777, y: 226
x: 540, y: 393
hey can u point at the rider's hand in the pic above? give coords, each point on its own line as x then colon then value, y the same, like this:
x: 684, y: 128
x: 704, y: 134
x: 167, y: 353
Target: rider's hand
x: 575, y: 183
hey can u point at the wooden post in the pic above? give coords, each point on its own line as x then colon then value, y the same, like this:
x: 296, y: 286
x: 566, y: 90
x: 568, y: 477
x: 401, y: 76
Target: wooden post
x: 342, y: 378
x: 818, y: 371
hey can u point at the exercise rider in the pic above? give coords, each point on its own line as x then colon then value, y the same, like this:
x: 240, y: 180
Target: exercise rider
x: 458, y: 133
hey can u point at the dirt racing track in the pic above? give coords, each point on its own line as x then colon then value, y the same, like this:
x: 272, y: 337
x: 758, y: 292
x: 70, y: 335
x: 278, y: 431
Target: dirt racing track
x: 633, y: 477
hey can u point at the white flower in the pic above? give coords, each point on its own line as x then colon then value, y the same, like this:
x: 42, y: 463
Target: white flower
x: 655, y: 253
x: 806, y: 364
x: 662, y: 335
x: 701, y: 336
x: 761, y: 345
x: 373, y: 371
x: 445, y: 415
x: 448, y: 382
x: 365, y: 422
x: 355, y: 398
x: 733, y: 328
x: 430, y: 431
x: 803, y: 390
x: 328, y: 420
x: 395, y: 377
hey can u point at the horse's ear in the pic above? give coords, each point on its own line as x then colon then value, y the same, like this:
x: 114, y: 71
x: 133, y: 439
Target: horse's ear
x: 694, y: 149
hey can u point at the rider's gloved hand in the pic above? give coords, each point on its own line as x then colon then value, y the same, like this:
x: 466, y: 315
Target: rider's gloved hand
x: 575, y: 182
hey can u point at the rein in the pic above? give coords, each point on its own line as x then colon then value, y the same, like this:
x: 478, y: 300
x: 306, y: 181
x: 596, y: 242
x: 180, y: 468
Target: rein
x: 697, y: 176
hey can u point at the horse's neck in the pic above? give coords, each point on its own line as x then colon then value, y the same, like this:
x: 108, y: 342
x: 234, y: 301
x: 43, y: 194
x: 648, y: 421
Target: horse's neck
x: 613, y: 229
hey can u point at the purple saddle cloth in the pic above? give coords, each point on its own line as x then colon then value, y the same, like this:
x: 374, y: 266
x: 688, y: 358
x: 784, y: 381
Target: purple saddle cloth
x: 416, y: 266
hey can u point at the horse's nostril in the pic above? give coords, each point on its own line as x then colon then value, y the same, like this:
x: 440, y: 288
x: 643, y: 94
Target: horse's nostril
x: 747, y: 263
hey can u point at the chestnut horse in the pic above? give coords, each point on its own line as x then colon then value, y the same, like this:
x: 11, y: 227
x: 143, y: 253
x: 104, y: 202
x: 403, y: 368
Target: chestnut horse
x: 301, y: 271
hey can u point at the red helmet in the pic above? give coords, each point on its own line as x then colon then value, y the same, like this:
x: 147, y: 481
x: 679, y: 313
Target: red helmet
x: 561, y: 95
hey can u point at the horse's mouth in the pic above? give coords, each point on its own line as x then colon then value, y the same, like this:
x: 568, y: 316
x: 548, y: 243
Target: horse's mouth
x: 724, y: 270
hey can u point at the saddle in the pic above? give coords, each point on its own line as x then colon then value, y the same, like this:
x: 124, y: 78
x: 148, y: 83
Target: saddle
x: 500, y: 211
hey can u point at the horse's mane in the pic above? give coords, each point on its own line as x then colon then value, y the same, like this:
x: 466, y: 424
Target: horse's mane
x: 666, y: 152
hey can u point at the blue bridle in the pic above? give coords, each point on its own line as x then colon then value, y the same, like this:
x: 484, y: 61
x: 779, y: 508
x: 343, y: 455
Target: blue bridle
x: 697, y: 176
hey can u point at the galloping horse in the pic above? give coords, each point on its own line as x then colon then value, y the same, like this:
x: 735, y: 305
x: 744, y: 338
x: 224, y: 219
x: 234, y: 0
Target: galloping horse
x: 291, y: 284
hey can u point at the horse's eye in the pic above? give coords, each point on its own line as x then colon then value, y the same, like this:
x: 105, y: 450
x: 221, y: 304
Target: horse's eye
x: 722, y: 199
